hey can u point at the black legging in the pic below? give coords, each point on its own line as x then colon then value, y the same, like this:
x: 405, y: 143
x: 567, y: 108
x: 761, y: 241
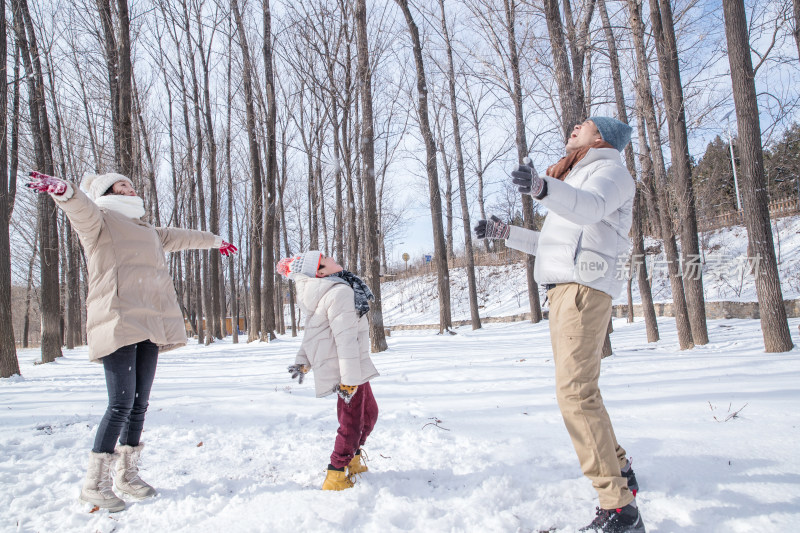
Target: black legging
x: 129, y: 375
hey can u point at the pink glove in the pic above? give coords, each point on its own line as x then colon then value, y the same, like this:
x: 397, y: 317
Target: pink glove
x: 227, y: 248
x: 44, y: 183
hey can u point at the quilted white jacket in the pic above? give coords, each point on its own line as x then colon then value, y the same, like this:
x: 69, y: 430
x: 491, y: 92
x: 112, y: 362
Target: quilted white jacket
x: 335, y: 340
x: 584, y: 238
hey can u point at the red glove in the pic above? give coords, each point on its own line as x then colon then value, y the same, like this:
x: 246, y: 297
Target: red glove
x: 43, y: 183
x: 227, y: 248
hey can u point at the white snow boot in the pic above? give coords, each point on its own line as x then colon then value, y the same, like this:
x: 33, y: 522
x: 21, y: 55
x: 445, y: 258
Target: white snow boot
x: 126, y: 479
x: 97, y: 486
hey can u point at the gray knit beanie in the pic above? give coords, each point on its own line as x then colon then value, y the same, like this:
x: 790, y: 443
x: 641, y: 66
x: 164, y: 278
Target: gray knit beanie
x: 614, y: 132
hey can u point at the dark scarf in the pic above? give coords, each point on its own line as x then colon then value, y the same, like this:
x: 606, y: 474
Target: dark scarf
x: 360, y: 290
x: 565, y: 165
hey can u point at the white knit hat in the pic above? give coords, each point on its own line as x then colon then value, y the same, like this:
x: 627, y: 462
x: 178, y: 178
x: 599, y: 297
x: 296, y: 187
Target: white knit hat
x: 96, y: 185
x: 306, y: 264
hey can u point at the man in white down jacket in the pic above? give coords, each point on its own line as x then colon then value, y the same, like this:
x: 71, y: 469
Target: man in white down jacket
x: 336, y: 347
x: 579, y: 251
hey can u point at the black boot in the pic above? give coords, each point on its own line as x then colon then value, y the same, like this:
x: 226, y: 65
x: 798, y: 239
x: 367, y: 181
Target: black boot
x: 627, y: 472
x: 625, y: 520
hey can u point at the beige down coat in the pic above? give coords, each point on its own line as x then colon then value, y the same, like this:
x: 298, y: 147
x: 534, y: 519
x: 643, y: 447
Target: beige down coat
x: 131, y: 295
x: 335, y: 340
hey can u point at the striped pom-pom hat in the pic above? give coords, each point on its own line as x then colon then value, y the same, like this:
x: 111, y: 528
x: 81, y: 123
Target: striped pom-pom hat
x: 306, y: 264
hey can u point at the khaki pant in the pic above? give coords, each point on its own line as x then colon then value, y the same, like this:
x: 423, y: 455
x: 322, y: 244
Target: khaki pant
x: 579, y: 318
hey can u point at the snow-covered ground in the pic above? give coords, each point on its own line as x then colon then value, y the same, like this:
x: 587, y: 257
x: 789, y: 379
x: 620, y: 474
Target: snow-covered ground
x: 469, y: 438
x: 502, y: 290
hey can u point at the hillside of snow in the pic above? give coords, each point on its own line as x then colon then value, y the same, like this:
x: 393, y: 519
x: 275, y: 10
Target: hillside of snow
x: 502, y: 290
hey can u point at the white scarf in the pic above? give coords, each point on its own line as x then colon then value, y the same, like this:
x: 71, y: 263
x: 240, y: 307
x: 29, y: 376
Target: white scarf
x: 130, y: 206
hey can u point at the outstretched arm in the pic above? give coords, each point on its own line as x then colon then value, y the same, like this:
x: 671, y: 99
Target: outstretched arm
x: 84, y: 215
x: 518, y: 238
x: 177, y: 239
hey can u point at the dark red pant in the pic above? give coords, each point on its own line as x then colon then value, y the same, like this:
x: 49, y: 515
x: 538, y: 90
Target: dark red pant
x: 356, y: 420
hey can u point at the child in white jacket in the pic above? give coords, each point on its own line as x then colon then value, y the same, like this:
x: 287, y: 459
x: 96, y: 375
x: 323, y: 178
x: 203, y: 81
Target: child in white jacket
x: 336, y: 347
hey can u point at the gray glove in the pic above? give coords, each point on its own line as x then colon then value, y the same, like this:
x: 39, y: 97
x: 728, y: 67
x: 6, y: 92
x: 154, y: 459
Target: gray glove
x: 298, y: 372
x: 494, y: 228
x: 527, y: 180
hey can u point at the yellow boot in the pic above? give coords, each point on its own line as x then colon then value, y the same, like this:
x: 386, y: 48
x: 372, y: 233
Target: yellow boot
x: 336, y: 480
x: 356, y: 465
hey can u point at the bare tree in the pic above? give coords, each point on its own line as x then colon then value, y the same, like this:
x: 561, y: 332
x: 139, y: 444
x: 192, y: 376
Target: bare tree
x: 462, y: 182
x: 256, y: 209
x: 522, y: 152
x: 637, y: 257
x: 440, y: 250
x: 271, y: 167
x: 48, y: 223
x: 644, y: 99
x: 774, y: 326
x: 9, y: 365
x: 373, y: 265
x: 228, y: 166
x: 669, y: 73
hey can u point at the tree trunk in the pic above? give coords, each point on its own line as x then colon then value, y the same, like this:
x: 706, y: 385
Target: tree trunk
x: 216, y: 322
x: 440, y: 251
x: 152, y: 190
x: 125, y: 80
x: 462, y: 182
x: 774, y: 326
x: 522, y: 152
x: 448, y: 197
x: 646, y: 106
x: 256, y: 212
x: 372, y: 267
x: 112, y: 68
x: 234, y: 299
x: 268, y: 311
x: 9, y: 365
x: 796, y: 29
x: 639, y: 267
x: 281, y: 190
x: 29, y: 291
x: 567, y: 97
x: 46, y: 209
x: 479, y: 169
x: 669, y: 72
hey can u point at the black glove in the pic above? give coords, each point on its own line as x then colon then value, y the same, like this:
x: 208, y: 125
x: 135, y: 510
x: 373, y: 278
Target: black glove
x: 298, y: 372
x: 494, y: 228
x: 527, y: 179
x: 346, y: 392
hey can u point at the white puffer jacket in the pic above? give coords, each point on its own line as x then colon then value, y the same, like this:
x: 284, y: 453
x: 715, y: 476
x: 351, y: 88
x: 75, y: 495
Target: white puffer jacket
x: 335, y: 340
x: 584, y: 238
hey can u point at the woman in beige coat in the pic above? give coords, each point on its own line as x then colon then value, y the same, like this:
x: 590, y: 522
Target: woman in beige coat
x: 336, y: 347
x: 131, y: 310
